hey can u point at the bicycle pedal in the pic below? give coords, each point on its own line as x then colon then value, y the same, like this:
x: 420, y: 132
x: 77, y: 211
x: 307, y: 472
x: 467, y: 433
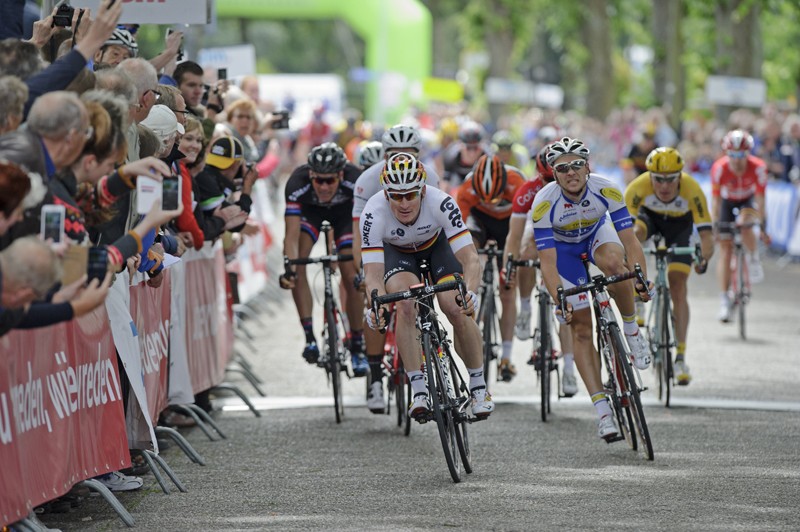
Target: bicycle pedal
x: 614, y: 438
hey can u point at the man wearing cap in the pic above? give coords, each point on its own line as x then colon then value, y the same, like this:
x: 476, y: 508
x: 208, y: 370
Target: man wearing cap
x: 215, y: 186
x: 164, y: 123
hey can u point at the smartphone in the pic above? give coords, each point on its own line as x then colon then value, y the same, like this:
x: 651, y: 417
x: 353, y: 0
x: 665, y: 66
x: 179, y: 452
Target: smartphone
x: 147, y: 191
x: 180, y: 50
x: 170, y: 193
x: 222, y: 73
x: 53, y: 223
x: 97, y: 264
x: 280, y: 120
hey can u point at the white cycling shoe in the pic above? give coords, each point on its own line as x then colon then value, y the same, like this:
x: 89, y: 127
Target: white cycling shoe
x: 482, y: 404
x: 375, y: 401
x: 639, y: 349
x: 522, y: 329
x: 607, y: 428
x: 569, y: 384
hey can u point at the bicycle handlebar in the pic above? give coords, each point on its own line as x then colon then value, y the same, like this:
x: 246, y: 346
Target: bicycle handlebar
x: 317, y: 260
x: 512, y: 265
x: 599, y: 281
x: 417, y: 292
x: 491, y: 251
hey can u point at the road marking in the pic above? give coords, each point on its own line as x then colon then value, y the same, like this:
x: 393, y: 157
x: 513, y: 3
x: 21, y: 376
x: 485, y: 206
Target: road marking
x: 234, y: 404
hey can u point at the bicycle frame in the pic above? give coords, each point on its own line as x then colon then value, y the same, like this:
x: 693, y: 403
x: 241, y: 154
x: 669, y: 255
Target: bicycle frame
x: 488, y: 318
x: 740, y: 276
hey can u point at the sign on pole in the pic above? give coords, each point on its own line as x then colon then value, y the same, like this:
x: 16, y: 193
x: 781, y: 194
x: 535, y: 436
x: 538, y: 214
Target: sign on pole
x: 152, y: 11
x: 736, y: 91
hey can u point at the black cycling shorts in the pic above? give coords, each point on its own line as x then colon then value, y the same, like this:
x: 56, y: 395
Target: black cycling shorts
x: 676, y: 232
x: 440, y: 257
x: 339, y: 216
x: 484, y: 228
x: 726, y: 214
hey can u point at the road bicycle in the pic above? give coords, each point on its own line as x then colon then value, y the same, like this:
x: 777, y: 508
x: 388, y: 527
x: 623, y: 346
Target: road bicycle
x: 488, y: 317
x: 447, y: 389
x: 623, y: 385
x: 739, y: 288
x: 545, y: 357
x: 661, y: 319
x: 334, y: 353
x: 398, y: 387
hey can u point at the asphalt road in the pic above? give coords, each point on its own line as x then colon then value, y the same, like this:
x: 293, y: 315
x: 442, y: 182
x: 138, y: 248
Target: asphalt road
x: 726, y: 456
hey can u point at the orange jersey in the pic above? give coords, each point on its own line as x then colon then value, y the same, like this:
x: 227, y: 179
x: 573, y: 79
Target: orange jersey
x: 468, y: 200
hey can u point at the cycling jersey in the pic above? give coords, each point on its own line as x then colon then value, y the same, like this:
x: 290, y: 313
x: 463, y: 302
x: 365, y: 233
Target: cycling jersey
x: 455, y: 172
x: 438, y: 212
x: 727, y: 185
x: 468, y: 199
x: 523, y: 198
x: 300, y: 196
x: 369, y: 184
x: 557, y: 218
x: 689, y: 206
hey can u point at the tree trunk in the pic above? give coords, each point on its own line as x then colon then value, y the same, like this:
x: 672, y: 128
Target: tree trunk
x: 499, y: 45
x: 739, y: 46
x: 599, y: 71
x: 676, y: 73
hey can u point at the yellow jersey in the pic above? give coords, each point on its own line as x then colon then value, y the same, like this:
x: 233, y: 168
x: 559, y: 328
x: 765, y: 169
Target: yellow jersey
x: 689, y: 206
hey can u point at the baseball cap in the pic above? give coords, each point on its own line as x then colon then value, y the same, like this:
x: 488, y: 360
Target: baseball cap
x: 224, y: 152
x: 162, y: 121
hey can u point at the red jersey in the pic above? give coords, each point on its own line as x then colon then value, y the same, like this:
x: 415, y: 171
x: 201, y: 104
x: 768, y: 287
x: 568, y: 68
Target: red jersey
x: 523, y: 199
x: 727, y: 185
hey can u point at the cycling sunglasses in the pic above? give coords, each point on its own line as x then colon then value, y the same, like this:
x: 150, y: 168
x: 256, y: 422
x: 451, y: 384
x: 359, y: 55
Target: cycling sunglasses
x: 407, y: 196
x: 563, y: 168
x: 736, y: 154
x: 666, y: 178
x: 325, y: 180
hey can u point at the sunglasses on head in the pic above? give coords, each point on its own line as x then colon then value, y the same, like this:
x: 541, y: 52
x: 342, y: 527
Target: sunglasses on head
x: 666, y: 178
x: 735, y: 154
x: 472, y: 147
x: 325, y: 180
x: 407, y: 196
x: 563, y: 168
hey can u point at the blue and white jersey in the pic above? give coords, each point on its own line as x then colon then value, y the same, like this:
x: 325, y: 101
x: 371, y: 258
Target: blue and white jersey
x: 557, y: 218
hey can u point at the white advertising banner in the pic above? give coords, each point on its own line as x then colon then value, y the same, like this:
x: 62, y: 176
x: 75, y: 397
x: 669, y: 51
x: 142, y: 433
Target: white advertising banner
x: 154, y: 11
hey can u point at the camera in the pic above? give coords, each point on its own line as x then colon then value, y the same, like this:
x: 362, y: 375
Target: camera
x: 280, y: 120
x: 63, y: 16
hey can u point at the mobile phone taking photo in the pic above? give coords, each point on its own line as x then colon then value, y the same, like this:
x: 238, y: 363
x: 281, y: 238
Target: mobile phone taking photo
x: 280, y: 120
x: 53, y: 223
x: 97, y: 265
x: 222, y: 74
x: 170, y: 193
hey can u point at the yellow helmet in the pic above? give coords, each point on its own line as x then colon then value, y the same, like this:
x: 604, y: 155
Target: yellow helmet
x: 664, y: 161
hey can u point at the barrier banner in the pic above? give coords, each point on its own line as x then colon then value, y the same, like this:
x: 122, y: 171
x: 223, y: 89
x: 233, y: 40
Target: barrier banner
x: 180, y: 381
x: 61, y: 418
x: 150, y: 310
x: 781, y: 201
x: 209, y: 329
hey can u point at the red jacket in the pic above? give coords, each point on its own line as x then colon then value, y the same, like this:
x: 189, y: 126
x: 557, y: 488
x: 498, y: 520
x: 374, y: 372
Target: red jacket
x: 186, y: 222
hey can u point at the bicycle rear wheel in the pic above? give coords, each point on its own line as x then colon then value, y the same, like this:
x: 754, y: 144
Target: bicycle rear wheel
x: 490, y: 334
x: 543, y: 356
x: 335, y: 348
x: 618, y: 395
x: 665, y: 346
x: 437, y: 390
x: 634, y: 398
x: 460, y: 395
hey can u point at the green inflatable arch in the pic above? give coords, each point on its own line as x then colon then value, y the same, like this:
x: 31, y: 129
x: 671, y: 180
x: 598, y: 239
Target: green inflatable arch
x: 397, y: 34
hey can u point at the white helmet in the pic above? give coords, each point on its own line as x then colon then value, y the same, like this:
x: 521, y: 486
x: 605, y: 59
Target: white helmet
x: 401, y: 137
x: 403, y: 171
x: 565, y: 146
x: 369, y: 153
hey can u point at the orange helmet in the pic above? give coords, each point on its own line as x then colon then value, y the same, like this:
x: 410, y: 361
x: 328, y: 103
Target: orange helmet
x: 489, y: 178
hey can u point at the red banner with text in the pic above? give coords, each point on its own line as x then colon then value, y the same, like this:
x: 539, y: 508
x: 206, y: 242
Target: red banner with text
x: 61, y: 417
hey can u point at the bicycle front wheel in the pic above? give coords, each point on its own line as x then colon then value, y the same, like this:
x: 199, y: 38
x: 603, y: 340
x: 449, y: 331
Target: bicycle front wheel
x: 634, y: 398
x: 333, y: 365
x: 665, y: 346
x: 437, y: 391
x: 741, y: 293
x: 460, y: 395
x: 543, y: 356
x: 490, y: 335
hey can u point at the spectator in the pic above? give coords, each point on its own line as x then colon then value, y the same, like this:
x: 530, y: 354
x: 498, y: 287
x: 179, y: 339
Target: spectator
x: 192, y: 145
x: 145, y: 80
x: 243, y: 120
x: 149, y: 142
x: 634, y: 164
x: 13, y: 94
x: 164, y: 124
x: 28, y: 270
x: 14, y: 186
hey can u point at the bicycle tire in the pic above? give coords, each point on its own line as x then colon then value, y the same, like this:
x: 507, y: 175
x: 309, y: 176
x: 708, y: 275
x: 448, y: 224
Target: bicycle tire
x: 333, y: 365
x: 488, y: 333
x: 635, y: 401
x: 460, y: 390
x: 665, y: 342
x: 653, y: 335
x: 618, y: 390
x: 544, y: 362
x: 406, y: 417
x: 741, y: 293
x: 437, y: 394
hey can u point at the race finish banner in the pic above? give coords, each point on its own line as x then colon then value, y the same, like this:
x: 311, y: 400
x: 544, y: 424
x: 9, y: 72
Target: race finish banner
x: 61, y: 418
x: 150, y: 11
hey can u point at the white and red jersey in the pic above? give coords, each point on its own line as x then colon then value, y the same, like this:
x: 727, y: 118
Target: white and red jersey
x: 438, y: 212
x: 523, y: 198
x: 727, y: 185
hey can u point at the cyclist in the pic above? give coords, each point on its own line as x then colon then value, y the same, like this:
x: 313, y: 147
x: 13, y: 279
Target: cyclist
x: 510, y: 151
x: 396, y: 139
x: 318, y: 191
x: 460, y: 157
x: 485, y: 200
x: 519, y: 243
x: 670, y: 202
x: 407, y: 223
x: 738, y: 181
x: 369, y: 152
x: 569, y: 217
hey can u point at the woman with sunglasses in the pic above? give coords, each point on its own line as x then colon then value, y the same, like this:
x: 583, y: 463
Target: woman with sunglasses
x: 738, y: 182
x: 400, y: 226
x: 569, y: 219
x: 319, y: 191
x: 668, y: 201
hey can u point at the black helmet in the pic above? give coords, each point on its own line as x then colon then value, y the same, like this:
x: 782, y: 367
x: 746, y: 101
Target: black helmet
x: 327, y: 158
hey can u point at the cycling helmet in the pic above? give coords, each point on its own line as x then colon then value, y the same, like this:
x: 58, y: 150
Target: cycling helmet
x: 566, y: 146
x: 403, y: 171
x: 401, y: 137
x: 664, y: 161
x: 737, y: 140
x: 122, y: 37
x: 489, y: 178
x: 543, y: 168
x: 471, y: 132
x: 369, y: 153
x: 502, y: 140
x: 327, y: 158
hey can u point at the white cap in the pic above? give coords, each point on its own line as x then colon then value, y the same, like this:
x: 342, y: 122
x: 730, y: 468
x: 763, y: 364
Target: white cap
x: 162, y: 121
